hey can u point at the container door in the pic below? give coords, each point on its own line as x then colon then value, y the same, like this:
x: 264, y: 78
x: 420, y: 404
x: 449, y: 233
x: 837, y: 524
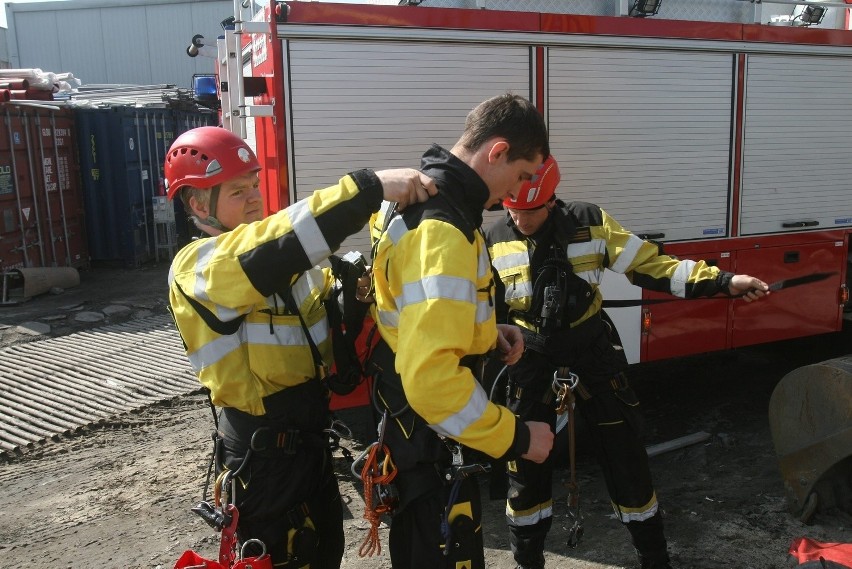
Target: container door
x: 140, y: 134
x: 97, y: 171
x: 21, y: 244
x: 60, y: 190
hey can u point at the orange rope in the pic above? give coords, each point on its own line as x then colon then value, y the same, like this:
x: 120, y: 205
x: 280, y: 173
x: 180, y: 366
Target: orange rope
x: 374, y: 473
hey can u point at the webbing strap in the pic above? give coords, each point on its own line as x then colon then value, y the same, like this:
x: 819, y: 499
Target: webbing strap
x: 221, y: 328
x: 568, y: 405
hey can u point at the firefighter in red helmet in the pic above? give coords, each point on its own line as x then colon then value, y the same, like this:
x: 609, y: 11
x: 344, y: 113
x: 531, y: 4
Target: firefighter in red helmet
x: 550, y: 257
x: 248, y: 302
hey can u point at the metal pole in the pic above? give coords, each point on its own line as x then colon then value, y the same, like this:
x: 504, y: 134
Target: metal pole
x: 46, y: 191
x: 24, y: 245
x: 25, y: 122
x: 151, y: 172
x: 141, y: 176
x: 59, y: 191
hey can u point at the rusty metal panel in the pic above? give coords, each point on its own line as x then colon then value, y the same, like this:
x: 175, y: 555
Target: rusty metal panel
x: 41, y: 217
x: 20, y: 229
x: 64, y: 215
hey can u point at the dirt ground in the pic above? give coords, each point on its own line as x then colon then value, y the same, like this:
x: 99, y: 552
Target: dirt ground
x: 118, y: 496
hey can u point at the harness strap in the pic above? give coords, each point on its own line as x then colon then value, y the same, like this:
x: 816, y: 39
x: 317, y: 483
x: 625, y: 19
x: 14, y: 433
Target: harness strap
x: 573, y: 487
x: 268, y: 441
x: 221, y: 328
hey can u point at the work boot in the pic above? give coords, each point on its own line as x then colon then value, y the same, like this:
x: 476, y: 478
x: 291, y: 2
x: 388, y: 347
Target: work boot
x: 539, y: 564
x: 658, y: 560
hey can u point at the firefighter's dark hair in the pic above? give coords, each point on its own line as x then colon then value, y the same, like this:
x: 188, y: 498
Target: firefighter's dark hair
x: 511, y: 117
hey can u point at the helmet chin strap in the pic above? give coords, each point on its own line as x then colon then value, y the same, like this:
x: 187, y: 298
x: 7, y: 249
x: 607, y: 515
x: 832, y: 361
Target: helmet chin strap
x: 211, y: 220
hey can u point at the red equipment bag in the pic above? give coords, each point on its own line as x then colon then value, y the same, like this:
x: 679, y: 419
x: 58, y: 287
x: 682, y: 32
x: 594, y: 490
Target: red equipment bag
x: 227, y: 551
x: 812, y: 553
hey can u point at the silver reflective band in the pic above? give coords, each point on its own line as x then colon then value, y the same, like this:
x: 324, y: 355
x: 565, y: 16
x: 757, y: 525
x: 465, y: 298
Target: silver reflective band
x: 454, y: 425
x: 308, y: 232
x: 681, y: 277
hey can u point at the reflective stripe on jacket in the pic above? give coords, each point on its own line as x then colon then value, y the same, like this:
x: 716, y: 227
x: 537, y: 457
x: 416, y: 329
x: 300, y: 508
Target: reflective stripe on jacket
x: 240, y: 281
x: 434, y: 306
x: 594, y: 241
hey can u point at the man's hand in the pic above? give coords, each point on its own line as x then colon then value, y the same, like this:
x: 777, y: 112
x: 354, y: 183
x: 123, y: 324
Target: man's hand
x: 510, y: 342
x: 406, y: 186
x: 750, y: 288
x: 541, y: 441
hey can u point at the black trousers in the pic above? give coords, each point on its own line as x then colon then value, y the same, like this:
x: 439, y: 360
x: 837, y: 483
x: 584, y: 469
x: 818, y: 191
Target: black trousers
x: 290, y: 502
x: 614, y: 421
x: 417, y: 533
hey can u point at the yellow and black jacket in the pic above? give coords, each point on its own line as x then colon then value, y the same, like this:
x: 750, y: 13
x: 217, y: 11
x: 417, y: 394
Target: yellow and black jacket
x: 234, y: 296
x: 591, y: 241
x: 435, y: 306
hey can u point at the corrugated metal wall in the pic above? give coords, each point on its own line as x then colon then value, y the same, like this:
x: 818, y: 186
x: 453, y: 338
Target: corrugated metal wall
x: 41, y: 209
x: 344, y: 92
x: 4, y: 50
x: 633, y: 127
x: 794, y: 144
x: 122, y: 151
x: 115, y: 41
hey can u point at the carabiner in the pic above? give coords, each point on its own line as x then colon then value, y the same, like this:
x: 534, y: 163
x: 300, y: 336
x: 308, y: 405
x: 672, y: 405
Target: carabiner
x: 252, y: 542
x: 357, y: 464
x: 569, y: 382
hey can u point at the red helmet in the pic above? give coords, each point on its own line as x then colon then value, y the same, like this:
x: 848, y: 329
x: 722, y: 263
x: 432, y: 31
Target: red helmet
x: 205, y: 157
x: 539, y: 190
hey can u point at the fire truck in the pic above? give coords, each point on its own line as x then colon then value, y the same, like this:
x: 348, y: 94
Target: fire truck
x: 723, y: 134
x: 717, y: 128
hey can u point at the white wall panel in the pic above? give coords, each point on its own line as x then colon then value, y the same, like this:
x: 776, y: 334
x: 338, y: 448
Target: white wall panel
x: 126, y: 36
x: 38, y: 35
x: 796, y: 161
x: 401, y: 96
x: 646, y: 135
x: 116, y: 42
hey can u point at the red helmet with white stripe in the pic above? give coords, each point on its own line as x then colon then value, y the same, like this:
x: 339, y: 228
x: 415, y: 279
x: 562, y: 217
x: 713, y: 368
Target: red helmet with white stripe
x: 539, y: 190
x: 205, y: 157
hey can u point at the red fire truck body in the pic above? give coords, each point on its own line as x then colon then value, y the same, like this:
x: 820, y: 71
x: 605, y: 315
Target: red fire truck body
x: 723, y: 141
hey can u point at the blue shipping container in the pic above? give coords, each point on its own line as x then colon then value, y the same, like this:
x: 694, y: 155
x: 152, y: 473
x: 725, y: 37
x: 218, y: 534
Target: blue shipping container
x: 121, y: 160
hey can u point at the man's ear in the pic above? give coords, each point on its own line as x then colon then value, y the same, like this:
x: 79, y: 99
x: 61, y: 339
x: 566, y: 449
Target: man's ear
x: 198, y: 208
x: 499, y: 149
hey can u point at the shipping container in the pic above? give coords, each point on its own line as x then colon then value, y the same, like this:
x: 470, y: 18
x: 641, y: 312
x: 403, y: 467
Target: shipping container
x: 41, y: 205
x: 122, y: 150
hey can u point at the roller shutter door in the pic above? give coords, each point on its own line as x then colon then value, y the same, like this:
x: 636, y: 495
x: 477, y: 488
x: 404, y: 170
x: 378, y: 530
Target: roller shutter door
x: 645, y: 134
x: 796, y: 165
x: 380, y: 104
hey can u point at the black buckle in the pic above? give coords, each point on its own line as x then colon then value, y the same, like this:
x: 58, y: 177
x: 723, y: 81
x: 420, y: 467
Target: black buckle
x: 265, y: 439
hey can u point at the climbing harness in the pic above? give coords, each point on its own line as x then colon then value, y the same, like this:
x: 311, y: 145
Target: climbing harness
x: 564, y: 383
x: 380, y: 495
x: 224, y: 517
x: 455, y: 475
x: 228, y: 547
